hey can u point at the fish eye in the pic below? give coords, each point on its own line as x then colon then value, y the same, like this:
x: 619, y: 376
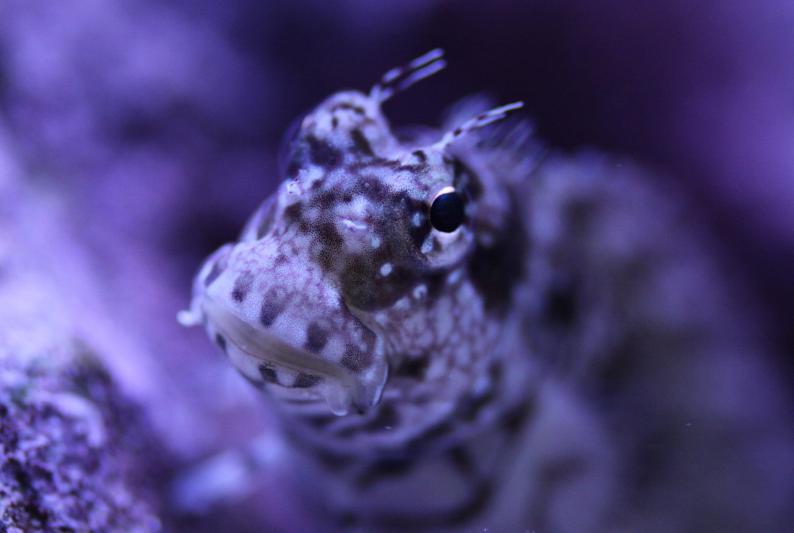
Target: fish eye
x: 447, y: 211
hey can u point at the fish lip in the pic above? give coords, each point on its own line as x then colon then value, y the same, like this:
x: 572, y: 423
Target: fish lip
x: 265, y: 347
x: 262, y: 347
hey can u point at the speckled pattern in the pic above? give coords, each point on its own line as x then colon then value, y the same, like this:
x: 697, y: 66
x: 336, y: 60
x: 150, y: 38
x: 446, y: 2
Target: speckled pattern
x: 340, y: 288
x: 482, y: 377
x: 153, y: 128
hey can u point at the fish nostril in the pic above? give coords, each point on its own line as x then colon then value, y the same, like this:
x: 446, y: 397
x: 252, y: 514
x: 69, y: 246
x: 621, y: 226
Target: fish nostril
x: 217, y: 270
x: 266, y: 217
x: 215, y: 265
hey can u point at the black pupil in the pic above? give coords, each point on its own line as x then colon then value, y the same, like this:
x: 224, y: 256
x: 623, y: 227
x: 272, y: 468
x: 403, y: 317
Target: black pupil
x: 446, y: 213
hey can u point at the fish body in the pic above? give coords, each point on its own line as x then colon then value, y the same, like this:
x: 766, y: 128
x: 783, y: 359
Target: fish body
x: 400, y: 303
x: 375, y: 298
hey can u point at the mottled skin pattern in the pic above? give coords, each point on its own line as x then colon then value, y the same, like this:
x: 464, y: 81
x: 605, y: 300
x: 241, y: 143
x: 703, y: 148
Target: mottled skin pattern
x: 340, y: 293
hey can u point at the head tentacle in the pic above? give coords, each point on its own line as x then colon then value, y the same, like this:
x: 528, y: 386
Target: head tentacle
x: 475, y: 123
x: 400, y: 78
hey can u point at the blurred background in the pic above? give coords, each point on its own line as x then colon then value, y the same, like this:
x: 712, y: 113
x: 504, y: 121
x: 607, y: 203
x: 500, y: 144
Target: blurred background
x: 153, y: 129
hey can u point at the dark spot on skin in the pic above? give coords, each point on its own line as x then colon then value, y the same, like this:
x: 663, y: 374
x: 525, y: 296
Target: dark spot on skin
x: 361, y: 165
x: 388, y: 163
x: 362, y: 285
x: 414, y: 367
x: 334, y: 122
x: 356, y: 360
x: 461, y: 460
x: 386, y: 419
x: 293, y: 212
x: 242, y: 285
x: 471, y: 406
x: 430, y: 436
x: 407, y: 208
x: 435, y: 283
x: 320, y: 421
x: 475, y: 506
x: 401, y: 276
x: 515, y: 419
x: 322, y: 153
x: 268, y: 313
x: 420, y: 233
x: 361, y: 143
x: 316, y: 338
x: 220, y: 341
x: 415, y: 169
x: 457, y: 131
x: 329, y: 236
x: 358, y: 110
x: 325, y: 199
x: 365, y: 289
x: 560, y: 306
x: 268, y: 374
x: 272, y: 306
x: 496, y: 269
x: 304, y: 381
x: 326, y: 259
x: 384, y: 468
x: 373, y: 189
x: 330, y: 460
x: 293, y: 167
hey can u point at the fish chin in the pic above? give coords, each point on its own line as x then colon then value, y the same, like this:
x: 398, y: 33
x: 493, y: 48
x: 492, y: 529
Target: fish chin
x: 342, y: 390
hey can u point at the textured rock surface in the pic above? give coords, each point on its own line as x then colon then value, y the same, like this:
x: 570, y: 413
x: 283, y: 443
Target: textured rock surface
x: 71, y: 449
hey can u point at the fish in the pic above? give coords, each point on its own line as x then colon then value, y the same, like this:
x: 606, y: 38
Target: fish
x: 432, y: 317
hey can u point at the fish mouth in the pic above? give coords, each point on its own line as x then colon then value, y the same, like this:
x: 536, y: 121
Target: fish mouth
x: 341, y: 389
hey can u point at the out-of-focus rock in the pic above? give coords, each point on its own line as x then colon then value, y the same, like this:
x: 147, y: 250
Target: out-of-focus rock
x: 71, y: 447
x: 75, y: 453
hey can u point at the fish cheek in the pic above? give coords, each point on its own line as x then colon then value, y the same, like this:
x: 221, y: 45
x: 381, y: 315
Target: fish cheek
x: 367, y: 286
x: 378, y: 278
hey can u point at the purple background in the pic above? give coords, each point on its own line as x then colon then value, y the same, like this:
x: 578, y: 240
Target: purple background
x: 158, y: 124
